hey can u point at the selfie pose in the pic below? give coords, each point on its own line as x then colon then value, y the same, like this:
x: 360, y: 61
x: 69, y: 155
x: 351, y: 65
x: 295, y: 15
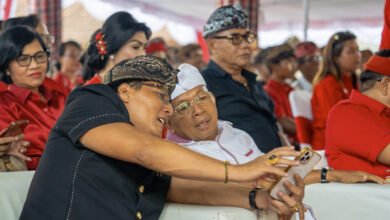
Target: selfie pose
x: 117, y: 167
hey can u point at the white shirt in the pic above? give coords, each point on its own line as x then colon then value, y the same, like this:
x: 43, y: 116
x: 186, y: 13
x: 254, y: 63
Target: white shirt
x: 301, y: 83
x: 231, y: 144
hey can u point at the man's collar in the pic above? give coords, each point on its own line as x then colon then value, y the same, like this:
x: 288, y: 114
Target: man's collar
x: 48, y: 87
x: 374, y: 105
x: 217, y: 70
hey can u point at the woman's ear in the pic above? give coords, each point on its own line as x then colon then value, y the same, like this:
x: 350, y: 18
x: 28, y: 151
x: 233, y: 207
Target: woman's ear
x: 124, y: 92
x: 384, y: 86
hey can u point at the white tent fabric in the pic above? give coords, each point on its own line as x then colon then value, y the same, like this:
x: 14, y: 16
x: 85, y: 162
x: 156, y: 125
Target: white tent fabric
x: 279, y: 19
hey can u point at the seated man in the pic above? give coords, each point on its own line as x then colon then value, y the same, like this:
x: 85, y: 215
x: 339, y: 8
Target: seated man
x: 194, y: 124
x: 282, y: 64
x: 358, y: 129
x: 104, y: 158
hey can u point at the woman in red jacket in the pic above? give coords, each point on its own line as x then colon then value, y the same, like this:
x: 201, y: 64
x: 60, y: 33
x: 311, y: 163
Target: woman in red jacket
x: 31, y: 95
x: 334, y: 81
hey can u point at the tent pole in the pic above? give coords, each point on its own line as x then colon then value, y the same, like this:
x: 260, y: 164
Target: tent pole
x: 306, y: 5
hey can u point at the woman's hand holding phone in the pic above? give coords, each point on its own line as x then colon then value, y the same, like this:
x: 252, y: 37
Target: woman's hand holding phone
x: 11, y: 140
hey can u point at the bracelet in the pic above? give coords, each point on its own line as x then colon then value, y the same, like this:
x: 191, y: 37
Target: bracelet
x: 324, y: 172
x: 252, y: 199
x: 225, y: 164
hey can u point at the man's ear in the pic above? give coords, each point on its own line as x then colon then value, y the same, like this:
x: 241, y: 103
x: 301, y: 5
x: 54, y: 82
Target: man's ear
x: 212, y: 97
x: 124, y: 91
x: 210, y: 44
x: 384, y: 86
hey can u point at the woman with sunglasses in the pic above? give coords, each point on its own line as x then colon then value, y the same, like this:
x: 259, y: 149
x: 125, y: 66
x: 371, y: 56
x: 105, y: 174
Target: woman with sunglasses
x: 334, y: 81
x: 30, y: 94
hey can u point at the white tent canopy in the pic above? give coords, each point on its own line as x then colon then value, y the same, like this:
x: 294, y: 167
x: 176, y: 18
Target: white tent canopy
x: 278, y: 19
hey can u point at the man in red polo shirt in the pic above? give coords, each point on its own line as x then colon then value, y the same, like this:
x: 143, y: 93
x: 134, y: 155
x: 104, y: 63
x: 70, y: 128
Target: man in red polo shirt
x: 358, y: 129
x: 282, y: 64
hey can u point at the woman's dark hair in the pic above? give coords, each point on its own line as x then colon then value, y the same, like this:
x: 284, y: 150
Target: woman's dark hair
x: 116, y: 30
x: 332, y: 51
x: 30, y: 20
x: 63, y: 47
x: 186, y: 52
x: 70, y: 43
x: 369, y: 78
x: 12, y: 42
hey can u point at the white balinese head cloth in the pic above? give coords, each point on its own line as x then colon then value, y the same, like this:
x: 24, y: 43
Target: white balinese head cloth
x: 188, y: 78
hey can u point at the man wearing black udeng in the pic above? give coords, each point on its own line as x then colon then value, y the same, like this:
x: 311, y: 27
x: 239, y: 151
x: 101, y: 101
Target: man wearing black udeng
x: 239, y: 98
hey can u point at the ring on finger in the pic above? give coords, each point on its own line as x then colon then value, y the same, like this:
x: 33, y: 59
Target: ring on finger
x: 295, y: 208
x: 273, y: 159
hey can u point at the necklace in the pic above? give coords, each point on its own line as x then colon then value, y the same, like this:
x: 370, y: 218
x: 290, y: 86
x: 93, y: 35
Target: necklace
x: 242, y: 80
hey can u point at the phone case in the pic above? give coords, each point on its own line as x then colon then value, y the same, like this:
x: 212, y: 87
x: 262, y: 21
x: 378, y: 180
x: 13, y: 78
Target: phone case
x: 308, y: 159
x: 15, y: 128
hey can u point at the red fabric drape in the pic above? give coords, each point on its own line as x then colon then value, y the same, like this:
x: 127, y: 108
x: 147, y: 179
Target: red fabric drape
x: 7, y: 9
x: 50, y: 13
x: 251, y: 7
x: 203, y: 45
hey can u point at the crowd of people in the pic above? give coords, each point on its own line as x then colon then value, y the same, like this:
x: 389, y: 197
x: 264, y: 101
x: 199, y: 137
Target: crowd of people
x: 129, y: 120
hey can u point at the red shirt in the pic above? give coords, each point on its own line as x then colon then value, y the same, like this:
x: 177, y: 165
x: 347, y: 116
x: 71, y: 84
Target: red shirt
x: 94, y: 80
x: 358, y: 130
x: 65, y: 81
x: 19, y: 103
x: 3, y: 86
x: 327, y: 93
x: 279, y: 93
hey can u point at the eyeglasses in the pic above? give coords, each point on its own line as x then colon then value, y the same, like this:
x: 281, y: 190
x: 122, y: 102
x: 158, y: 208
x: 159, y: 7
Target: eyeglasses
x: 238, y: 38
x: 310, y: 59
x: 184, y: 107
x: 25, y: 60
x: 49, y: 39
x: 164, y: 95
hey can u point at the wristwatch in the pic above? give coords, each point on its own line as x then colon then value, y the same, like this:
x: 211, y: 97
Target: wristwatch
x: 252, y: 199
x: 324, y: 172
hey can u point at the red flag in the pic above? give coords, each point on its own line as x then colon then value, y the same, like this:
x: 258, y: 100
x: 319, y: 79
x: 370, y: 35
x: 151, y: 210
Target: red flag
x: 202, y: 43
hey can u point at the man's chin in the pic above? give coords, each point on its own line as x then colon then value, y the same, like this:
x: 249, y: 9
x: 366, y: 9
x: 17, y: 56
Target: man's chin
x: 243, y: 63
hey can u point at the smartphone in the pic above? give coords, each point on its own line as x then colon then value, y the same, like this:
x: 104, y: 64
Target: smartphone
x: 15, y: 128
x: 307, y: 160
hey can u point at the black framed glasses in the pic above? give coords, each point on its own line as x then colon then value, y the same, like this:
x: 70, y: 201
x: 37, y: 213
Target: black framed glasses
x: 237, y: 39
x: 185, y: 107
x: 25, y: 60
